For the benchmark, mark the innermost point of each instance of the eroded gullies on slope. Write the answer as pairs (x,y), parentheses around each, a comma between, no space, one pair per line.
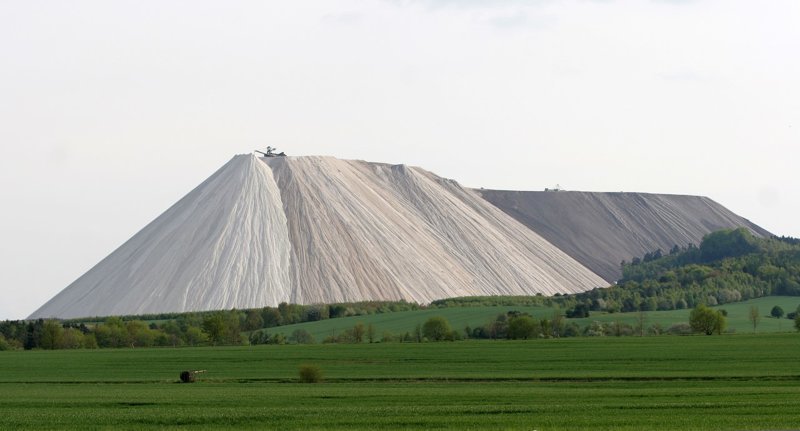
(224,245)
(261,231)
(602,229)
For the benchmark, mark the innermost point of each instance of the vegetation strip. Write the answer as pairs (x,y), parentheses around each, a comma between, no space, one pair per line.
(340,380)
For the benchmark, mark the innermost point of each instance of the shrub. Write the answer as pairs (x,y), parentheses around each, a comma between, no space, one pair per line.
(522,327)
(4,344)
(572,329)
(277,339)
(578,312)
(301,336)
(310,374)
(595,329)
(706,321)
(262,337)
(680,329)
(619,329)
(436,329)
(655,329)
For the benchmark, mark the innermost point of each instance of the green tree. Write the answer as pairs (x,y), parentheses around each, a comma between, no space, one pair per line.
(546,327)
(139,334)
(557,324)
(173,333)
(4,345)
(797,322)
(112,333)
(777,312)
(276,339)
(358,332)
(290,313)
(522,328)
(371,333)
(418,333)
(436,328)
(72,339)
(706,321)
(194,336)
(233,327)
(271,317)
(754,316)
(253,321)
(498,328)
(214,328)
(727,243)
(641,322)
(52,333)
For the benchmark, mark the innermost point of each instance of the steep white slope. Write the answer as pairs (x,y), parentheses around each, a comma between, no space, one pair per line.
(223,245)
(365,231)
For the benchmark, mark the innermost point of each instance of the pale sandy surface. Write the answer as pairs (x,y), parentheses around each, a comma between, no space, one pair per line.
(363,230)
(602,229)
(318,229)
(219,247)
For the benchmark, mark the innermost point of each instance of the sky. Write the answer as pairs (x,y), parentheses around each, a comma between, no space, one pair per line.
(110,111)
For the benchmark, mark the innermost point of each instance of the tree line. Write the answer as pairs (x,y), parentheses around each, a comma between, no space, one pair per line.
(729,266)
(177,329)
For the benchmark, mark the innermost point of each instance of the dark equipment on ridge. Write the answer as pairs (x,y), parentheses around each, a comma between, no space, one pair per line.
(189,376)
(271,152)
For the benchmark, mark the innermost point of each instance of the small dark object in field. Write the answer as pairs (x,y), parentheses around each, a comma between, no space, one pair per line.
(189,376)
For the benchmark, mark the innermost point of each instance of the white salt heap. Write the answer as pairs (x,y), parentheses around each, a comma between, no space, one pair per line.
(261,231)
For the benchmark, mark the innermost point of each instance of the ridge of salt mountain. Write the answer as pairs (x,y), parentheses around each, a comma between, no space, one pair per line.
(261,231)
(398,232)
(602,229)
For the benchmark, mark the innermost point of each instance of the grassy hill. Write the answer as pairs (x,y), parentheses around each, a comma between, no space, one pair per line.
(405,321)
(461,317)
(738,312)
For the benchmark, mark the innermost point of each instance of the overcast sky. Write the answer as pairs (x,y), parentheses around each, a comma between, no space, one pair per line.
(110,111)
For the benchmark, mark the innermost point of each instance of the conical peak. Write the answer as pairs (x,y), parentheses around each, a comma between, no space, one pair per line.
(239,162)
(216,248)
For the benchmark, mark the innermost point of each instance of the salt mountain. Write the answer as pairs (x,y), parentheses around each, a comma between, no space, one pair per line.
(600,230)
(261,231)
(317,229)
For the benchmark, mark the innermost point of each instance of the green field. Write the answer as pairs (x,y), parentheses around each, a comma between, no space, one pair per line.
(738,382)
(460,317)
(738,312)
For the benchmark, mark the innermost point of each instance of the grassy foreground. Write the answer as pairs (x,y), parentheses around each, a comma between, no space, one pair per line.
(726,382)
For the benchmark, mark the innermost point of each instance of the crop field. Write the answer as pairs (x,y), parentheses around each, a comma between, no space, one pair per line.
(742,382)
(461,317)
(738,315)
